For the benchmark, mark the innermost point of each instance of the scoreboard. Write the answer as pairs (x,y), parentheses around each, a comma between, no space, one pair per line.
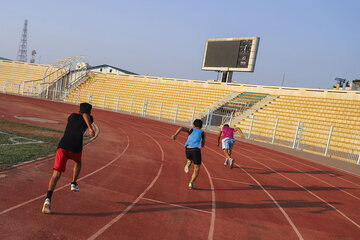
(231,54)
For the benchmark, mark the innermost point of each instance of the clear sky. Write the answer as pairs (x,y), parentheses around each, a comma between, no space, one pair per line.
(311,41)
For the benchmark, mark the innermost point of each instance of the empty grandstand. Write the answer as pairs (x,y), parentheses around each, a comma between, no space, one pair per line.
(14,74)
(47,81)
(309,123)
(316,120)
(159,97)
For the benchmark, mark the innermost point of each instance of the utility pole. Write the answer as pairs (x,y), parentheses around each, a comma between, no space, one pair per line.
(33,53)
(22,53)
(283,80)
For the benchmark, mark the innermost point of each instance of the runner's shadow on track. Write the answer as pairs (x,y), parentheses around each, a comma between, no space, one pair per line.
(317,172)
(98,214)
(277,188)
(319,207)
(235,167)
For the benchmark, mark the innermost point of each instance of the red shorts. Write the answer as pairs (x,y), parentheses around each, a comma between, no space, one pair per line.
(61,158)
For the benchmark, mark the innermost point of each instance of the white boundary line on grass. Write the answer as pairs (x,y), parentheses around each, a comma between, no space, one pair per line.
(13,138)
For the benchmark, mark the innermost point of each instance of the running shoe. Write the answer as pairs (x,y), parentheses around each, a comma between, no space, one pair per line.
(226,162)
(187,166)
(231,163)
(191,185)
(46,207)
(75,187)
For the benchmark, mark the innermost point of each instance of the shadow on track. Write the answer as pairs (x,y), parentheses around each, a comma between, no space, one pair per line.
(314,207)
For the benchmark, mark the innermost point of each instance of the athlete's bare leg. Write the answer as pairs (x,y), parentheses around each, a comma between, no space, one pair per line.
(76,170)
(229,152)
(226,152)
(54,179)
(195,173)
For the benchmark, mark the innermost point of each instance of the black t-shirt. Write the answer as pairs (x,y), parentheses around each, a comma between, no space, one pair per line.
(73,137)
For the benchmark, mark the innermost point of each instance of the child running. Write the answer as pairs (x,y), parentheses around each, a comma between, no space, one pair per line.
(193,145)
(70,147)
(228,140)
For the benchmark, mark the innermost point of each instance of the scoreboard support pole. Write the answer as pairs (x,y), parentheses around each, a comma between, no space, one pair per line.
(226,76)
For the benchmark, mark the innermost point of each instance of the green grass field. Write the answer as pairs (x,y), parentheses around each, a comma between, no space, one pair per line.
(20,142)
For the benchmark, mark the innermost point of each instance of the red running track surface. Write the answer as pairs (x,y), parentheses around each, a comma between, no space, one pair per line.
(133,186)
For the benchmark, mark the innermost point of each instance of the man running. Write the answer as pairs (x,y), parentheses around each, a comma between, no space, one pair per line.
(228,141)
(193,145)
(70,147)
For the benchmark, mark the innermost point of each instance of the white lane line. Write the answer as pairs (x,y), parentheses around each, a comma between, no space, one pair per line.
(271,197)
(279,154)
(213,209)
(313,167)
(67,185)
(319,179)
(228,180)
(176,205)
(118,217)
(213,201)
(341,213)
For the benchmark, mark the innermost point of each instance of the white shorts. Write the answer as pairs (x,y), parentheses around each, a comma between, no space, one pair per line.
(228,143)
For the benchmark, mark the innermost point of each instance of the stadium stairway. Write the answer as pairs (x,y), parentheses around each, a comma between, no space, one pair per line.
(229,108)
(248,111)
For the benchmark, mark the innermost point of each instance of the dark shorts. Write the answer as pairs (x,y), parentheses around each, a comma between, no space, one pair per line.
(193,154)
(61,158)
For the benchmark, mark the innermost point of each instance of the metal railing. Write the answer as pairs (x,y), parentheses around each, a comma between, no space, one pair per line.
(329,140)
(324,139)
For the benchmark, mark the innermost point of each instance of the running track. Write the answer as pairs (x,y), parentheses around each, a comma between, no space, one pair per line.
(133,186)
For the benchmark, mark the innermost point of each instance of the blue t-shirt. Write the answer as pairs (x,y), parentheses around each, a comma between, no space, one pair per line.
(195,138)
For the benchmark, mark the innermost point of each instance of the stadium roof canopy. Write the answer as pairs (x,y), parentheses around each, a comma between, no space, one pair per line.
(108,66)
(1,58)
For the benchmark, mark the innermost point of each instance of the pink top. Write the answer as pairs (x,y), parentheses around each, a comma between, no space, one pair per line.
(228,132)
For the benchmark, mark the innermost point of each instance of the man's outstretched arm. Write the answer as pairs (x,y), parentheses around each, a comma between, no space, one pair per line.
(219,137)
(203,140)
(239,130)
(86,117)
(183,129)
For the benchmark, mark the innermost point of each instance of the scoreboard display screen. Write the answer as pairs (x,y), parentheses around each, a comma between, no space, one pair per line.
(231,54)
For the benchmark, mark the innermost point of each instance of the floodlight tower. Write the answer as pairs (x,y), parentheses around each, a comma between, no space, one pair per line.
(22,53)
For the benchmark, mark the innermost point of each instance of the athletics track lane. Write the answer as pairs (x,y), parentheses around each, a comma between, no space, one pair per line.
(293,194)
(242,209)
(72,217)
(308,202)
